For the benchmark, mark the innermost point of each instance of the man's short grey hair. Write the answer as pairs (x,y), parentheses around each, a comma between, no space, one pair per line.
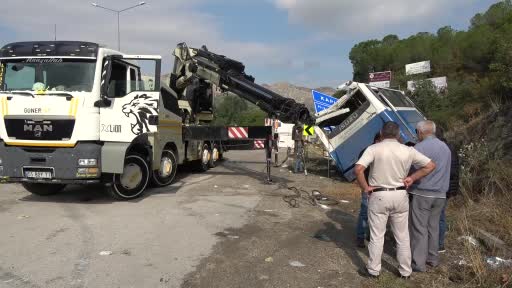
(426,127)
(390,130)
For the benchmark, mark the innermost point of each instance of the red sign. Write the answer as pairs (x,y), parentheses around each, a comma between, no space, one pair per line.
(380,76)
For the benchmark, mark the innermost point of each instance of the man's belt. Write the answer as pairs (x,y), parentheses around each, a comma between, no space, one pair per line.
(388,189)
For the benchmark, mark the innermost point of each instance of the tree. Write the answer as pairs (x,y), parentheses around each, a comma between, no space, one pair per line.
(232,110)
(477,63)
(229,109)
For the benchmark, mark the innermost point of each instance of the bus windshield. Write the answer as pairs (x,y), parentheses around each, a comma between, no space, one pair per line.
(48,74)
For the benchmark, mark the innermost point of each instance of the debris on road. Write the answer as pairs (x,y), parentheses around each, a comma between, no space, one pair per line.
(469,239)
(222,234)
(497,262)
(268,210)
(23,216)
(322,237)
(233,236)
(296,264)
(344,201)
(494,242)
(105,253)
(462,262)
(269,259)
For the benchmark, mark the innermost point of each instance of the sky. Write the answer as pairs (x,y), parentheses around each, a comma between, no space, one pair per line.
(304,42)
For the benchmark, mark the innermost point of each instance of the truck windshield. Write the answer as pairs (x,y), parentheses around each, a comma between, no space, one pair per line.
(50,74)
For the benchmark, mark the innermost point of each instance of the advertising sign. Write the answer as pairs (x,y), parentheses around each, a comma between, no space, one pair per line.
(440,83)
(417,68)
(381,84)
(380,76)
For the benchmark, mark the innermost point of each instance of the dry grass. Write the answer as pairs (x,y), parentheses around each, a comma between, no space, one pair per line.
(485,204)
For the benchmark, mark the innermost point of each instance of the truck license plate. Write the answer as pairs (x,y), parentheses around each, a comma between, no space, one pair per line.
(38,174)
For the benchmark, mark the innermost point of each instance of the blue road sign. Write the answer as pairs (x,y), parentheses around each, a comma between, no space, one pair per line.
(322,101)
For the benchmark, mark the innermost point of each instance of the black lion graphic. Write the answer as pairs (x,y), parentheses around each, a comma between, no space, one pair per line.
(141,106)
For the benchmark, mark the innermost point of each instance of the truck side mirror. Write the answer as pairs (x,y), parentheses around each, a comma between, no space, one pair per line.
(106,71)
(105,76)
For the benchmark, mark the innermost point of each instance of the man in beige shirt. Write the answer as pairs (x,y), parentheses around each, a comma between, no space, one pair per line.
(389,163)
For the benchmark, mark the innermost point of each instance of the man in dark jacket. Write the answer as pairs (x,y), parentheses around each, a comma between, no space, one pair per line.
(453,189)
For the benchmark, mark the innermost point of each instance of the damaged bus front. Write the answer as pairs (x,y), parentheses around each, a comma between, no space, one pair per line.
(358,116)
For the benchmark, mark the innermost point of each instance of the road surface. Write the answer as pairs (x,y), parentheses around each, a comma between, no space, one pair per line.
(222,228)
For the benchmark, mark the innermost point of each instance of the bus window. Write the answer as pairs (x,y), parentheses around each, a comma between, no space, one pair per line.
(354,103)
(396,98)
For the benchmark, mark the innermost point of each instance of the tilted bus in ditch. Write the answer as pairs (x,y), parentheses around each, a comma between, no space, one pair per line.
(358,116)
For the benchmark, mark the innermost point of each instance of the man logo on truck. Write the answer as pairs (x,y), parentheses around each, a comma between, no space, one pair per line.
(141,106)
(38,128)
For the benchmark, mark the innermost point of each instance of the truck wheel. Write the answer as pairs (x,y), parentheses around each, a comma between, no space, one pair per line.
(43,189)
(165,174)
(133,181)
(205,159)
(214,157)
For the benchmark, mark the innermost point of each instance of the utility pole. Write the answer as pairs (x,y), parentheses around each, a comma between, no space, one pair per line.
(55,32)
(118,16)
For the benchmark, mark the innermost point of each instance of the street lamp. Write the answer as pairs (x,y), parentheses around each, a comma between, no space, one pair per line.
(118,13)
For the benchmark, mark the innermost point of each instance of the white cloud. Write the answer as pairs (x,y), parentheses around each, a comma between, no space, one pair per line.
(154,28)
(365,16)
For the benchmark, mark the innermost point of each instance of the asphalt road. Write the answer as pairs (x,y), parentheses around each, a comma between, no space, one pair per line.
(222,228)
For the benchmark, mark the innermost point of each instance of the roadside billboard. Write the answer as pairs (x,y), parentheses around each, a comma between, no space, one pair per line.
(417,68)
(440,83)
(380,79)
(379,76)
(381,84)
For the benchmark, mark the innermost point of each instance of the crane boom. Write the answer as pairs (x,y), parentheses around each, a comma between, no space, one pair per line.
(197,70)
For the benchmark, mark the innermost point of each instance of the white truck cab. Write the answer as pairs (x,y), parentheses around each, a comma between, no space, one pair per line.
(78,113)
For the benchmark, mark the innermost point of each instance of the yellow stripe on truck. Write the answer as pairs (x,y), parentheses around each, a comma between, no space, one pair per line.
(72,106)
(68,145)
(4,106)
(76,107)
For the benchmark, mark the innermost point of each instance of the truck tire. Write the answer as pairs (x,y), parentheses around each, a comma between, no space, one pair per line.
(132,183)
(43,189)
(202,165)
(214,156)
(168,166)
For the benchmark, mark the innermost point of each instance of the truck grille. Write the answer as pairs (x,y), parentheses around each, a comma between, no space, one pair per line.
(27,129)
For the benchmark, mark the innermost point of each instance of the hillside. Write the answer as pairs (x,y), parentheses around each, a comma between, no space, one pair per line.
(298,93)
(477,63)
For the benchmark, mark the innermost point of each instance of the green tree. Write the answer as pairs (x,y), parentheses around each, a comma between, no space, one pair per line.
(232,110)
(477,63)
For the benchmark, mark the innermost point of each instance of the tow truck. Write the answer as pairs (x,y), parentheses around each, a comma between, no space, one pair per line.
(75,112)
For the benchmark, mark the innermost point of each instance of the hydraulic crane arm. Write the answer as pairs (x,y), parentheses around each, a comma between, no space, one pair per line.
(196,70)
